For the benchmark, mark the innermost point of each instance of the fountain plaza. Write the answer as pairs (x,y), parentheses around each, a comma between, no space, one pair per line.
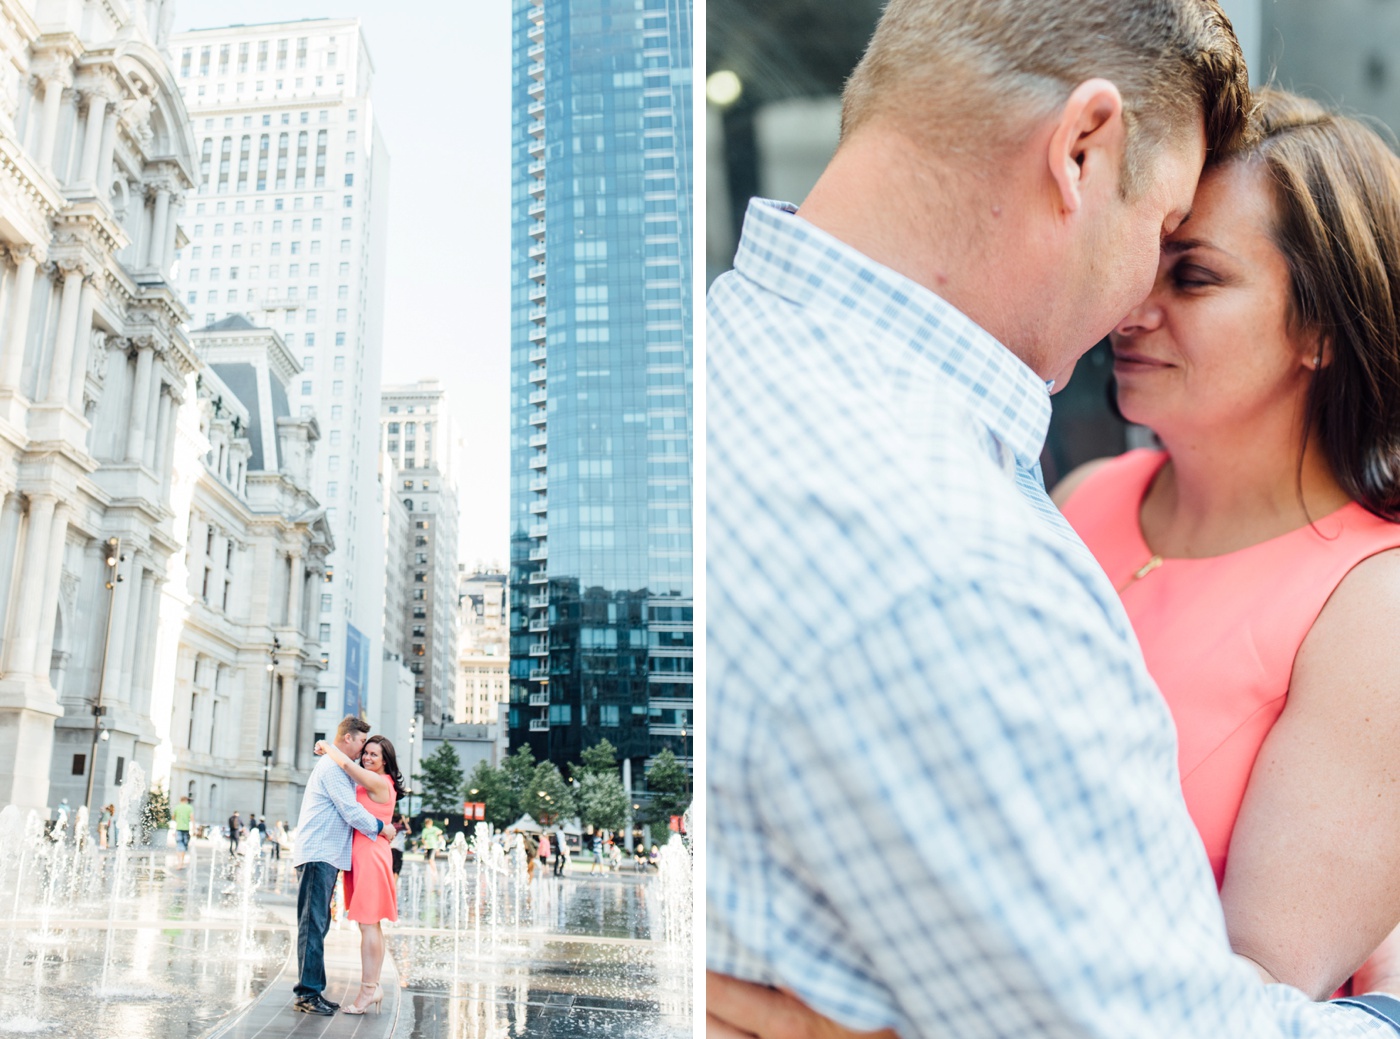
(118,943)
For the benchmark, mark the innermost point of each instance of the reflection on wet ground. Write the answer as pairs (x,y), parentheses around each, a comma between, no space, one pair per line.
(160,981)
(179,951)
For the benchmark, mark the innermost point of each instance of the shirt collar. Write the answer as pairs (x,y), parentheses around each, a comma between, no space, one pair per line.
(791,257)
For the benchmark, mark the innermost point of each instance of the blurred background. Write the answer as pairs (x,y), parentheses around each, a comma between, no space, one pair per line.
(774,75)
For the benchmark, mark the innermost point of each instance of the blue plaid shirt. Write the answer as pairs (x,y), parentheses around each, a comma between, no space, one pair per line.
(943,792)
(329,815)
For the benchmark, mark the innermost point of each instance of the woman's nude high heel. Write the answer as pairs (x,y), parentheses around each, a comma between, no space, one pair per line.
(375,1001)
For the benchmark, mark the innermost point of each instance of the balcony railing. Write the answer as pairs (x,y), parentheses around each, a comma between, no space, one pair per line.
(539,461)
(536,335)
(536,601)
(536,209)
(539,724)
(536,374)
(535,31)
(535,89)
(536,168)
(539,626)
(542,552)
(538,396)
(537,186)
(536,250)
(536,70)
(538,293)
(539,482)
(537,272)
(539,649)
(539,577)
(539,699)
(535,108)
(537,228)
(536,129)
(538,353)
(539,674)
(539,530)
(539,506)
(536,49)
(539,439)
(538,417)
(535,147)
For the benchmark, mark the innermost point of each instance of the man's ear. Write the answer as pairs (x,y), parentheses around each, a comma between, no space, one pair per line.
(1087,140)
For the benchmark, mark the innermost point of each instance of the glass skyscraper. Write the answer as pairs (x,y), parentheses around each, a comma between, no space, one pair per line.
(601,443)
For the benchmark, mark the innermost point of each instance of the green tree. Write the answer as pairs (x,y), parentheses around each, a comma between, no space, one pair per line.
(492,788)
(155,813)
(441,781)
(602,800)
(519,770)
(600,758)
(668,784)
(549,797)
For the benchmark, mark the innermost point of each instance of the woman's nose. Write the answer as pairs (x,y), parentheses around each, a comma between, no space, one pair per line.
(1144,317)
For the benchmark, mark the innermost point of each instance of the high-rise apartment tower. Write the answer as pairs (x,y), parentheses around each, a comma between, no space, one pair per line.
(600,599)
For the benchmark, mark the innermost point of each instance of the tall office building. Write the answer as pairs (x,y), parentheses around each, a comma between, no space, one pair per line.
(416,437)
(289,228)
(601,444)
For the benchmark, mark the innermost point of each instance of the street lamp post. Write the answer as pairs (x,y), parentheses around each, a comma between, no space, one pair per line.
(114,558)
(271,692)
(412,736)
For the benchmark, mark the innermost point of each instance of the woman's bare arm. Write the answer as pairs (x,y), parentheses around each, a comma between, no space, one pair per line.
(381,789)
(1312,883)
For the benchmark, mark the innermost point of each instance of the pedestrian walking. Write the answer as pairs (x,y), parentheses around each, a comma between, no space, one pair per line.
(561,855)
(104,825)
(180,817)
(235,830)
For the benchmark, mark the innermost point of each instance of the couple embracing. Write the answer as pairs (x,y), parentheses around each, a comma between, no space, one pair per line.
(345,827)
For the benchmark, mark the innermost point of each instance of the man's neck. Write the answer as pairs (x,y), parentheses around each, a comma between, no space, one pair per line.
(949,231)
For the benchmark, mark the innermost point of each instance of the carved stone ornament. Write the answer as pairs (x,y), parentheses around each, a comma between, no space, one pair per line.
(68,589)
(137,115)
(97,354)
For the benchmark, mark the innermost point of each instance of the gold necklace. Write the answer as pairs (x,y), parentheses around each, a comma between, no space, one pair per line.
(1140,573)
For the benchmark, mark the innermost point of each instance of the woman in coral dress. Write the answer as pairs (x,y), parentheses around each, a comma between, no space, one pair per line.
(369,886)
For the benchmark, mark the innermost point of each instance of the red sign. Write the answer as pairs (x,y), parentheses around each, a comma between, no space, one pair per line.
(677,824)
(474,810)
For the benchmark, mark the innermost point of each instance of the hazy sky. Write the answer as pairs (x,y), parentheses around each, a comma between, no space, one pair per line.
(442,94)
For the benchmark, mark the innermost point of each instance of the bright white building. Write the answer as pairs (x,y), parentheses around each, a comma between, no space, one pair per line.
(239,651)
(416,435)
(289,227)
(483,655)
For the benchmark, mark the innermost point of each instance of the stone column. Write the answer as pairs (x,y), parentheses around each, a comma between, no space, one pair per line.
(155,247)
(286,727)
(146,653)
(163,413)
(105,149)
(167,463)
(48,599)
(130,628)
(306,697)
(54,85)
(62,364)
(92,136)
(11,516)
(19,656)
(296,578)
(148,452)
(121,606)
(21,303)
(81,344)
(140,401)
(168,246)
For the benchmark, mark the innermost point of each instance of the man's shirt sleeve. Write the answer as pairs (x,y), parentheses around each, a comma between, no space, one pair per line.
(1011,856)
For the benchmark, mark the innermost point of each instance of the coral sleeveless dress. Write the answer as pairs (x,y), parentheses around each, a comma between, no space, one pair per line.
(1219,634)
(369,886)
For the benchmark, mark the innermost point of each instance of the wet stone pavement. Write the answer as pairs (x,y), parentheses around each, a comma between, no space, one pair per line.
(194,953)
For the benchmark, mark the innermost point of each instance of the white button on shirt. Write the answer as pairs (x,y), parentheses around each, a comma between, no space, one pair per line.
(943,792)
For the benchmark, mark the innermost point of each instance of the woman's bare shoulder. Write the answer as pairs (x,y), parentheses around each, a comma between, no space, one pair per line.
(1351,647)
(1074,478)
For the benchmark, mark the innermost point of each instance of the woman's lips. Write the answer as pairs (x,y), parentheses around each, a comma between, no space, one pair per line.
(1126,361)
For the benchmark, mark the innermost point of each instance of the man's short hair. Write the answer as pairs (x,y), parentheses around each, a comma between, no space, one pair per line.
(970,76)
(350,724)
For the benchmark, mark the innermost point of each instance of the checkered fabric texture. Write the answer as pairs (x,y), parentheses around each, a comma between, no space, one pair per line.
(329,815)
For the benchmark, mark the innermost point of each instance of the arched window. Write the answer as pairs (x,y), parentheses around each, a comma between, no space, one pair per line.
(408,504)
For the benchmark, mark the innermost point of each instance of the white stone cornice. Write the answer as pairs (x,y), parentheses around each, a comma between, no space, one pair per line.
(26,182)
(21,22)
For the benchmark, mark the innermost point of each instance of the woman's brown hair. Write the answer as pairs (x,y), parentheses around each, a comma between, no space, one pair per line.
(391,764)
(1337,193)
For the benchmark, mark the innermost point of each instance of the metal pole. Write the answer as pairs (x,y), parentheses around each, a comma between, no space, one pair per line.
(271,693)
(114,557)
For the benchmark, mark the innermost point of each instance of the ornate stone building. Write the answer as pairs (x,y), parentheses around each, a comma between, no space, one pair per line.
(96,157)
(241,622)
